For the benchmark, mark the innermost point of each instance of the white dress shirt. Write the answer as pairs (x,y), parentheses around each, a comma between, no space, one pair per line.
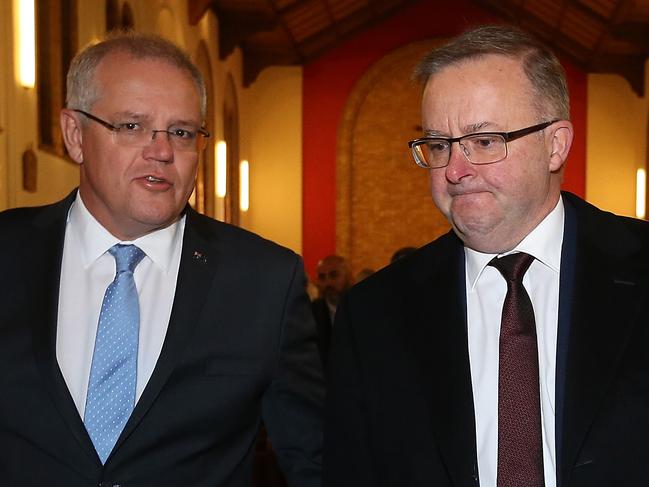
(485,290)
(86,271)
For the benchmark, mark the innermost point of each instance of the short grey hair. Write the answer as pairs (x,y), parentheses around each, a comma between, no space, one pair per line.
(541,66)
(82,89)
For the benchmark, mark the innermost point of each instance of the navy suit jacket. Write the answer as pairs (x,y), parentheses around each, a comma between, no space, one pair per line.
(399,404)
(240,347)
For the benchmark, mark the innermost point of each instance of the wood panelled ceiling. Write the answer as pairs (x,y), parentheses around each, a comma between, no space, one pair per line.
(600,36)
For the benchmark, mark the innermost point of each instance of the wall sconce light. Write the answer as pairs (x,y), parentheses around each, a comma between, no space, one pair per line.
(26,44)
(640,193)
(221,169)
(244,182)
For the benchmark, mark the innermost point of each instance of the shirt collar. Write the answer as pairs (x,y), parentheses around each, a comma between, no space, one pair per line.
(94,240)
(543,243)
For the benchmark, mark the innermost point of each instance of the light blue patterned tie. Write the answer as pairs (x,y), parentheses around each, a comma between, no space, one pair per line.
(113,375)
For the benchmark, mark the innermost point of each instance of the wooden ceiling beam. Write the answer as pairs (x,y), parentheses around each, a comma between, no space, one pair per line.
(237,26)
(636,33)
(196,9)
(337,34)
(620,11)
(257,58)
(266,39)
(286,30)
(631,68)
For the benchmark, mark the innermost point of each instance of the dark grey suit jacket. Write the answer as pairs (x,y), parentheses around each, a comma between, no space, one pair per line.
(240,347)
(400,406)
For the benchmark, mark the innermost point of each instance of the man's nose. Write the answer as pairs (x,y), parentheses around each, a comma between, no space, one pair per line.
(160,147)
(458,163)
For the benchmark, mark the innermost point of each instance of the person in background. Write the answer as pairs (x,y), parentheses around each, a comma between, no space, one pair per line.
(512,351)
(333,278)
(141,343)
(402,252)
(364,274)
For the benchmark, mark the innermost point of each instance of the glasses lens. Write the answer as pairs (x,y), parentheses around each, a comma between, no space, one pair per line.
(432,153)
(484,148)
(181,139)
(132,135)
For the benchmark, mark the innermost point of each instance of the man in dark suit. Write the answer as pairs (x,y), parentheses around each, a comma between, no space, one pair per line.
(444,372)
(333,278)
(160,372)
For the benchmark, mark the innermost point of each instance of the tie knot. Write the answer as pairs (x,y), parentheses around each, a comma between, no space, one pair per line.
(127,257)
(513,266)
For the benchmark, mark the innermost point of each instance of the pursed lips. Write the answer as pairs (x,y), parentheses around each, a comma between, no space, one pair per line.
(455,192)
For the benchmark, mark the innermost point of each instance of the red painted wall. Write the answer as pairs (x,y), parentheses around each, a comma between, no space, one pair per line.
(328,81)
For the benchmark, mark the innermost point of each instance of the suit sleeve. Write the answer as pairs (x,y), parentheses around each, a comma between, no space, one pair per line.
(293,404)
(347,453)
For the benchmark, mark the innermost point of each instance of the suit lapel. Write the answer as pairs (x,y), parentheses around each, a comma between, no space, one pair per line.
(608,282)
(442,347)
(44,265)
(198,265)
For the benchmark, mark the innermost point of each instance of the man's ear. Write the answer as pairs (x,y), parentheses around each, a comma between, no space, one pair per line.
(562,135)
(72,136)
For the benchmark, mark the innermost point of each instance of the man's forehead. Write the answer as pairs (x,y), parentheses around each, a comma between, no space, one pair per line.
(133,94)
(486,93)
(330,263)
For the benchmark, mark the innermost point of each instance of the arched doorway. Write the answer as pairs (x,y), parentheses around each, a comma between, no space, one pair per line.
(383,201)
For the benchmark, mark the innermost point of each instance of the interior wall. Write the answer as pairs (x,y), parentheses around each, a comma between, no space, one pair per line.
(383,200)
(617,142)
(6,79)
(56,176)
(274,126)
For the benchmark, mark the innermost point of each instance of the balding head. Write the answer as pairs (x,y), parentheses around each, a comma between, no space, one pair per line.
(332,278)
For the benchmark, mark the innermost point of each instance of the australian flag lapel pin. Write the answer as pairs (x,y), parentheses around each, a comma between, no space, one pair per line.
(199,257)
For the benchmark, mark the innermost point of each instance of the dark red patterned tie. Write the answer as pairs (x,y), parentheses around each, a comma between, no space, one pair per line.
(520,451)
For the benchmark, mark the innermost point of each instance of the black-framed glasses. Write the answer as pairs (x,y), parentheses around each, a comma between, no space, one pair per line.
(137,134)
(478,148)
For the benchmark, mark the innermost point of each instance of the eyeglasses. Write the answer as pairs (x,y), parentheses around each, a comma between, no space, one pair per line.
(478,148)
(137,134)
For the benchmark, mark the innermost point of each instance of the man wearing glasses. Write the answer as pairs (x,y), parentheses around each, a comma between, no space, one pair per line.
(513,351)
(142,344)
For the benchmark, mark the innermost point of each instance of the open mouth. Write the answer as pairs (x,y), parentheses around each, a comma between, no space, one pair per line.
(153,179)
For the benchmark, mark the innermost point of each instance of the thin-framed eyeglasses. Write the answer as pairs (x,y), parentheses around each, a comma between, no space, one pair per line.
(137,134)
(433,152)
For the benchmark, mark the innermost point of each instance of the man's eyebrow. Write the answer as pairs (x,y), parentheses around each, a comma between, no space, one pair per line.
(478,127)
(128,115)
(190,123)
(141,117)
(467,129)
(434,133)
